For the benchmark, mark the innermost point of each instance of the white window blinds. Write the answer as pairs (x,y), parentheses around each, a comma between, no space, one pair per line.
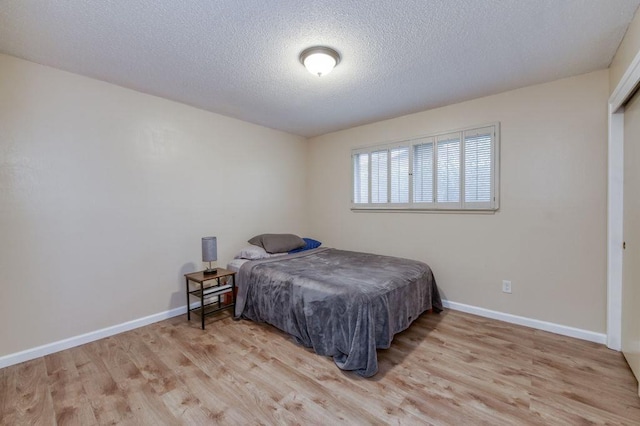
(361,178)
(423,172)
(450,171)
(400,175)
(477,165)
(379,173)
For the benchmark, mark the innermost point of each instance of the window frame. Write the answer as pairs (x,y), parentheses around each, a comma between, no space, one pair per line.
(434,206)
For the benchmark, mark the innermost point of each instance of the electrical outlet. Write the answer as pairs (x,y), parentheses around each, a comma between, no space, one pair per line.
(506,286)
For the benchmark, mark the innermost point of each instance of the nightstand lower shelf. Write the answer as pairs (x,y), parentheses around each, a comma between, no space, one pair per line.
(211,308)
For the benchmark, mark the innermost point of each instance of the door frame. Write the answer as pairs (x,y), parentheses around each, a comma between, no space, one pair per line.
(615,201)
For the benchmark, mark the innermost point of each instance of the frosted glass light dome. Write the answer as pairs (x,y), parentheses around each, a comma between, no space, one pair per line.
(319,60)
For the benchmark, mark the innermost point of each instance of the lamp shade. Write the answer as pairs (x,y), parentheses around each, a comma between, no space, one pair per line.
(209,249)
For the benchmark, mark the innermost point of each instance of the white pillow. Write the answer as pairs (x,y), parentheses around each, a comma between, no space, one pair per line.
(252,252)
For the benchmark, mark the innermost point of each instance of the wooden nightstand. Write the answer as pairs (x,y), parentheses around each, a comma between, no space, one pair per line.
(210,293)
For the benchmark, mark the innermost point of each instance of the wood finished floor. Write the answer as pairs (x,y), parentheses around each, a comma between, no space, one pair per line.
(451,369)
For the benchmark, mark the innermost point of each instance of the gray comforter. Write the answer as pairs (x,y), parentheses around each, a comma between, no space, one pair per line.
(340,303)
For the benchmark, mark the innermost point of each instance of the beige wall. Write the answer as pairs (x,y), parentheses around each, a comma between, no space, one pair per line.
(106,192)
(627,50)
(549,236)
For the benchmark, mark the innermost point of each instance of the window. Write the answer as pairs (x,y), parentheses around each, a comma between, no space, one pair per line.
(361,179)
(400,175)
(379,171)
(423,172)
(450,171)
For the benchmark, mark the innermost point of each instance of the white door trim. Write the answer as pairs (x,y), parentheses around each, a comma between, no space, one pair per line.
(622,92)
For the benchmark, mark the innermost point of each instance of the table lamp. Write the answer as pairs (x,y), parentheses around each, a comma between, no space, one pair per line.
(210,253)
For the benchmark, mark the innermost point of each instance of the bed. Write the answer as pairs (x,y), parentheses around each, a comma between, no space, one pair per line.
(342,304)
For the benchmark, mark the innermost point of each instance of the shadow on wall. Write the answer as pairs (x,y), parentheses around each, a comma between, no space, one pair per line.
(178,298)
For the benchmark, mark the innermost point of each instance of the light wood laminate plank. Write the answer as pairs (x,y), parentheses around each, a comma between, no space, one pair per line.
(447,369)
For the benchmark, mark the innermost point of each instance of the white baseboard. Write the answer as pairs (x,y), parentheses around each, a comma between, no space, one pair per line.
(71,342)
(529,322)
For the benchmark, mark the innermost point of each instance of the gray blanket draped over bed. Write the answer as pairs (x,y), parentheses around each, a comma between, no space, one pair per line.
(340,303)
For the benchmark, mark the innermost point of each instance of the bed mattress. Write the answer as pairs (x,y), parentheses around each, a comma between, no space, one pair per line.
(342,304)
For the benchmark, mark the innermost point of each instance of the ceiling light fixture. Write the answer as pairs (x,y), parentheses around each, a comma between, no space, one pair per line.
(319,60)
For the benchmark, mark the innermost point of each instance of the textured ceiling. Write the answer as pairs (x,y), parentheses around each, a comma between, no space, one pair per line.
(240,57)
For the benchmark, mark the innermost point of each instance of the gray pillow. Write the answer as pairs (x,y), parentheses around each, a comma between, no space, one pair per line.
(277,243)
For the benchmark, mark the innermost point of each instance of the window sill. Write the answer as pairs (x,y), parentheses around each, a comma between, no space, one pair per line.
(421,210)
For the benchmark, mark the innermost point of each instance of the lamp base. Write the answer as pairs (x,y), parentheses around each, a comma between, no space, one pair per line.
(210,271)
